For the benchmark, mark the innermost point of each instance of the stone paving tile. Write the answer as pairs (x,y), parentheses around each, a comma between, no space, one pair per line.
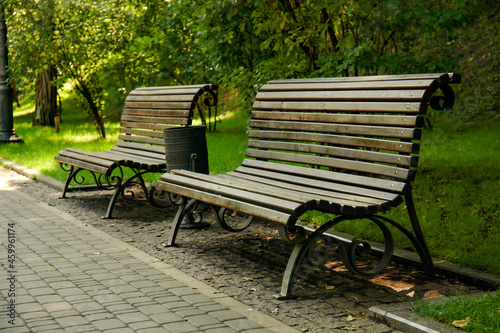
(71,280)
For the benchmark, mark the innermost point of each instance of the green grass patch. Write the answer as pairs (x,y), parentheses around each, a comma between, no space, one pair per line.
(472,314)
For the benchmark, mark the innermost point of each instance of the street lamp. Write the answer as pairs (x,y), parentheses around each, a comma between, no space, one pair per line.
(7,133)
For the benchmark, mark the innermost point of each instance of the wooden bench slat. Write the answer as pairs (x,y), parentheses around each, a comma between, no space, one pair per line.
(104,160)
(346,107)
(139,139)
(326,201)
(140,146)
(340,118)
(144,161)
(243,184)
(330,201)
(442,77)
(163,101)
(358,154)
(331,162)
(322,184)
(84,165)
(353,85)
(172,90)
(148,126)
(385,185)
(141,133)
(199,86)
(140,152)
(165,122)
(342,140)
(174,112)
(377,131)
(350,95)
(286,206)
(241,206)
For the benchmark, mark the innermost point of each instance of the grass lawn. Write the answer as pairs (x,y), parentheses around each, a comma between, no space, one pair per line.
(456,190)
(478,315)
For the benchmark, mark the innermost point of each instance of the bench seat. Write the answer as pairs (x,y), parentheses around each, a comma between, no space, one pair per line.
(140,146)
(343,146)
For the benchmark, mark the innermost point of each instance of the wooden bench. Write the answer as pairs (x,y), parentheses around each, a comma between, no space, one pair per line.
(345,146)
(140,146)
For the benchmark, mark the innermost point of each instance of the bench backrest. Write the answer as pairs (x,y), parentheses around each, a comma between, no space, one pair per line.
(360,125)
(148,111)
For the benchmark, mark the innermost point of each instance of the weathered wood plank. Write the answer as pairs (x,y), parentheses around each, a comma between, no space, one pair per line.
(82,164)
(376,131)
(386,185)
(341,140)
(241,206)
(350,95)
(324,195)
(340,118)
(163,101)
(442,77)
(139,139)
(282,205)
(140,146)
(318,84)
(336,163)
(142,133)
(167,122)
(176,111)
(348,153)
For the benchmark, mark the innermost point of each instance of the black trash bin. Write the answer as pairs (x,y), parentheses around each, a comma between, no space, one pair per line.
(186,148)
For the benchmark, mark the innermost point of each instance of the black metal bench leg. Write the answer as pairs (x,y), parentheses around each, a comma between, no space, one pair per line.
(298,253)
(183,211)
(71,174)
(113,200)
(120,189)
(425,255)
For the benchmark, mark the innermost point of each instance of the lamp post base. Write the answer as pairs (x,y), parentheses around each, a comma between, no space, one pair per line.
(12,139)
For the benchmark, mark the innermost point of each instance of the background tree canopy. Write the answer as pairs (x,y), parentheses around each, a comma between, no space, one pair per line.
(105,48)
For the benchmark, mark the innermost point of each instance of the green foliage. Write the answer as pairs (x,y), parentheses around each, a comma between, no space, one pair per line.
(111,47)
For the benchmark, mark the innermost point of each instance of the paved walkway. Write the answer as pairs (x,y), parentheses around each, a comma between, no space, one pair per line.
(61,275)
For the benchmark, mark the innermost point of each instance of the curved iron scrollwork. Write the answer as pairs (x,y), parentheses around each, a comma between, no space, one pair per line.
(350,253)
(101,182)
(232,220)
(210,101)
(444,102)
(297,235)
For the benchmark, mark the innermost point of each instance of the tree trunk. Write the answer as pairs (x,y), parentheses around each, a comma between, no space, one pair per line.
(93,108)
(45,98)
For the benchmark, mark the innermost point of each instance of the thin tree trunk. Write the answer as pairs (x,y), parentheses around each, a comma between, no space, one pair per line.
(45,98)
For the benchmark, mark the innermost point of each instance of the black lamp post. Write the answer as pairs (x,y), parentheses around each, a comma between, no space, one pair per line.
(7,133)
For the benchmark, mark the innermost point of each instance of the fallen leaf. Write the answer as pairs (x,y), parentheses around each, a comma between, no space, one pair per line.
(350,318)
(461,323)
(327,287)
(247,279)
